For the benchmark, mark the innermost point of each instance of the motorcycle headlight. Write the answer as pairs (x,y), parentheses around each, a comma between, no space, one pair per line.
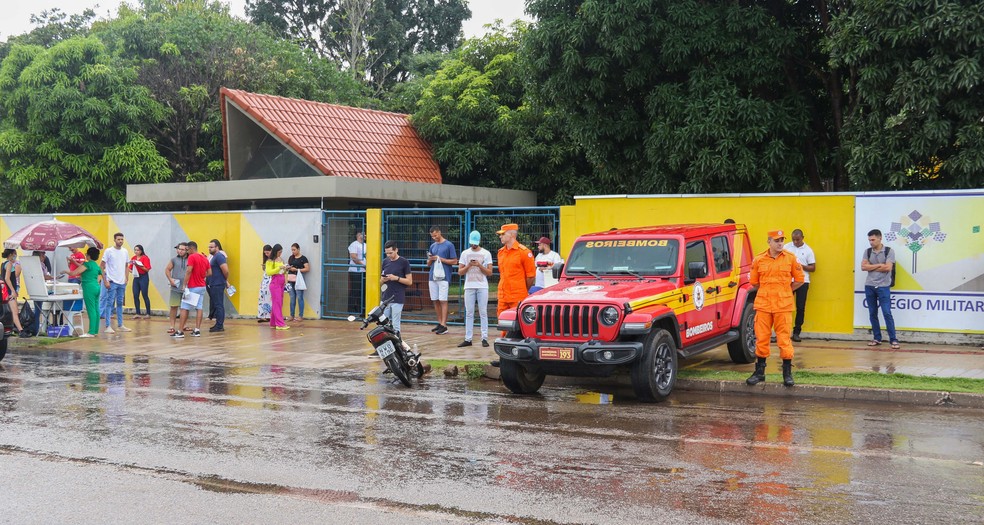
(608,315)
(529,314)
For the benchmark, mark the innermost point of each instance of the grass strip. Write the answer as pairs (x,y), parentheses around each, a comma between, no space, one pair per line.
(473,370)
(853,379)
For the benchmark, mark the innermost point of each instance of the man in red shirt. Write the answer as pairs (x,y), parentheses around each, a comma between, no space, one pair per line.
(193,295)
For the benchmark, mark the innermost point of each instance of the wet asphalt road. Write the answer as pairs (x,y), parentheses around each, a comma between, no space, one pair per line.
(97,438)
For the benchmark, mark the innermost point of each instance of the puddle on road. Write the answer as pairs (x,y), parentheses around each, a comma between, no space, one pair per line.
(595,398)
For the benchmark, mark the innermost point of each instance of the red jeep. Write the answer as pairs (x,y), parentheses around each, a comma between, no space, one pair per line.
(635,298)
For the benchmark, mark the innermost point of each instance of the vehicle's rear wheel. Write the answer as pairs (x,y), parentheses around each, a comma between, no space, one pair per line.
(3,346)
(742,350)
(398,368)
(519,378)
(654,375)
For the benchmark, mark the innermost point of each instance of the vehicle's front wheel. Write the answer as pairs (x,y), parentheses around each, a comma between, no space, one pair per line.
(519,378)
(654,375)
(742,350)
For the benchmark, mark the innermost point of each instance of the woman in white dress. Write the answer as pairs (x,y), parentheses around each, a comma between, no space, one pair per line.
(264,307)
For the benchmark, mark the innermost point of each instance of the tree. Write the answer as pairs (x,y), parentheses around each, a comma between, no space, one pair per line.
(52,26)
(186,50)
(71,128)
(915,72)
(372,38)
(681,96)
(486,132)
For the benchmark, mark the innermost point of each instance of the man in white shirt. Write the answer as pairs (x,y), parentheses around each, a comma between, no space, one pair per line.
(116,278)
(804,255)
(475,266)
(545,261)
(357,272)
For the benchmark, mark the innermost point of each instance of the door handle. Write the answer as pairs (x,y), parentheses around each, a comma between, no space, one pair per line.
(732,284)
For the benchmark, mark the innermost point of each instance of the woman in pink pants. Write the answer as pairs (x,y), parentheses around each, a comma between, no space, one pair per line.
(275,268)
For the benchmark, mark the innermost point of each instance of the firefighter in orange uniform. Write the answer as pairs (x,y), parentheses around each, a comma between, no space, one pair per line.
(775,275)
(517,270)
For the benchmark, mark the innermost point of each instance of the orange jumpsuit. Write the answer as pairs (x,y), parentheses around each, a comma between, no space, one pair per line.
(515,266)
(774,302)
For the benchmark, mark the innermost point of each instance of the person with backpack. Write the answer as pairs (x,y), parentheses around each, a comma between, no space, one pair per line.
(879,262)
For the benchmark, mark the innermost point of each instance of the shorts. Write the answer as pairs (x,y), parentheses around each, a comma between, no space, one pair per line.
(201,299)
(438,290)
(175,299)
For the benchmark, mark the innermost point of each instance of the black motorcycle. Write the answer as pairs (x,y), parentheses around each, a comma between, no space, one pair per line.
(403,362)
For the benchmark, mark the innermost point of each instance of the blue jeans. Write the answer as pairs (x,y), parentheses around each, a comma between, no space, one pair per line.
(141,286)
(216,299)
(479,296)
(880,297)
(298,296)
(395,313)
(114,299)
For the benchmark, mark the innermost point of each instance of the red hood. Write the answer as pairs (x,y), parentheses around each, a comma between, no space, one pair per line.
(614,291)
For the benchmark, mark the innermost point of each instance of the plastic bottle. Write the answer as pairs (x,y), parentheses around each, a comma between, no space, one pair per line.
(415,351)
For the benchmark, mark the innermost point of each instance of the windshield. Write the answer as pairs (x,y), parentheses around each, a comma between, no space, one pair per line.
(625,257)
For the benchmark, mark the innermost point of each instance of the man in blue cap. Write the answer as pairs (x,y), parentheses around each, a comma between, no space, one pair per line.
(475,267)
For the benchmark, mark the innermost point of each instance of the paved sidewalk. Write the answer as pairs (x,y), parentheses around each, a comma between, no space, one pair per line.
(328,344)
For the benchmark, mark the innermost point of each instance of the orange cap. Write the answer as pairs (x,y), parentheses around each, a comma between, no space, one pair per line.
(507,227)
(777,234)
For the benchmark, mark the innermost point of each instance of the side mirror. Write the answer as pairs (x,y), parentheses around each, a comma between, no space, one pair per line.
(351,318)
(696,270)
(558,270)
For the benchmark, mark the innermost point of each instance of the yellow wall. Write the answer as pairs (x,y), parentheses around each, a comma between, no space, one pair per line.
(374,263)
(827,223)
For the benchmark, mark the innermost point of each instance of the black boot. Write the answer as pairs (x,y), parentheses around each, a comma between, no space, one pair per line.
(787,372)
(758,375)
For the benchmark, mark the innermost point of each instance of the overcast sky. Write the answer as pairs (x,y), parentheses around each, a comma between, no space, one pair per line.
(16,17)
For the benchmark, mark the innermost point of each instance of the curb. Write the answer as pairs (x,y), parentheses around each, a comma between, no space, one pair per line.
(840,393)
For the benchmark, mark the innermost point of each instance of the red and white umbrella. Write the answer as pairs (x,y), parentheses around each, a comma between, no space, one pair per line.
(46,235)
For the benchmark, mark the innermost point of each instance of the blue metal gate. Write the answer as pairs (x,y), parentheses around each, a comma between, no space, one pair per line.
(410,228)
(343,292)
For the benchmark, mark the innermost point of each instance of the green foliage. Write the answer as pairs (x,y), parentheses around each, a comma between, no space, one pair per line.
(71,128)
(677,96)
(374,39)
(917,74)
(186,50)
(485,130)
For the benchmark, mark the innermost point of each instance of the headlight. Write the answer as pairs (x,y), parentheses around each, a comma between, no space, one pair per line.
(608,315)
(529,314)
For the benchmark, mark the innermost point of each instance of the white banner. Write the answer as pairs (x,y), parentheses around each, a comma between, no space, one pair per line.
(939,259)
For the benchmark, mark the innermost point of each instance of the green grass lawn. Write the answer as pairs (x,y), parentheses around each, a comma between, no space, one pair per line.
(853,379)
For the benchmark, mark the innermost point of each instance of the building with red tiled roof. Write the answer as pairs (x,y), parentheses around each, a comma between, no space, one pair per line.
(285,152)
(300,136)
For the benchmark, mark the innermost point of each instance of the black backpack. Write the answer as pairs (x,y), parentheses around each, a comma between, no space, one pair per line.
(867,255)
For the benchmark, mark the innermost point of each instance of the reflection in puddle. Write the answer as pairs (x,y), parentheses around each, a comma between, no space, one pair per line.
(595,398)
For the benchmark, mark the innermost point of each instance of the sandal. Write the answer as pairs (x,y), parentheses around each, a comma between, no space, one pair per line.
(895,345)
(874,343)
(170,331)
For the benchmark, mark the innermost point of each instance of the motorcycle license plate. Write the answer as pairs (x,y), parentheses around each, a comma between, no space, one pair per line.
(386,349)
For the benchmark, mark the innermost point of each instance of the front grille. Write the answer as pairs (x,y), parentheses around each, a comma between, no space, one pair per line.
(569,320)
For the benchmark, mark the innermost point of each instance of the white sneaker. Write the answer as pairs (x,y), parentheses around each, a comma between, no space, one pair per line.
(86,335)
(109,330)
(123,329)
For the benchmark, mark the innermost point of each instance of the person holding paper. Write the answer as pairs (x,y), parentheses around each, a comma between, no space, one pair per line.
(217,282)
(297,266)
(139,268)
(192,297)
(276,269)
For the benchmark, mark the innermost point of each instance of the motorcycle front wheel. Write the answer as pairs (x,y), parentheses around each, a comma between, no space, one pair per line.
(398,368)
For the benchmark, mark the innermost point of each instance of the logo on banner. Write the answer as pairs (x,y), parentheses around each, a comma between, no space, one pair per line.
(915,231)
